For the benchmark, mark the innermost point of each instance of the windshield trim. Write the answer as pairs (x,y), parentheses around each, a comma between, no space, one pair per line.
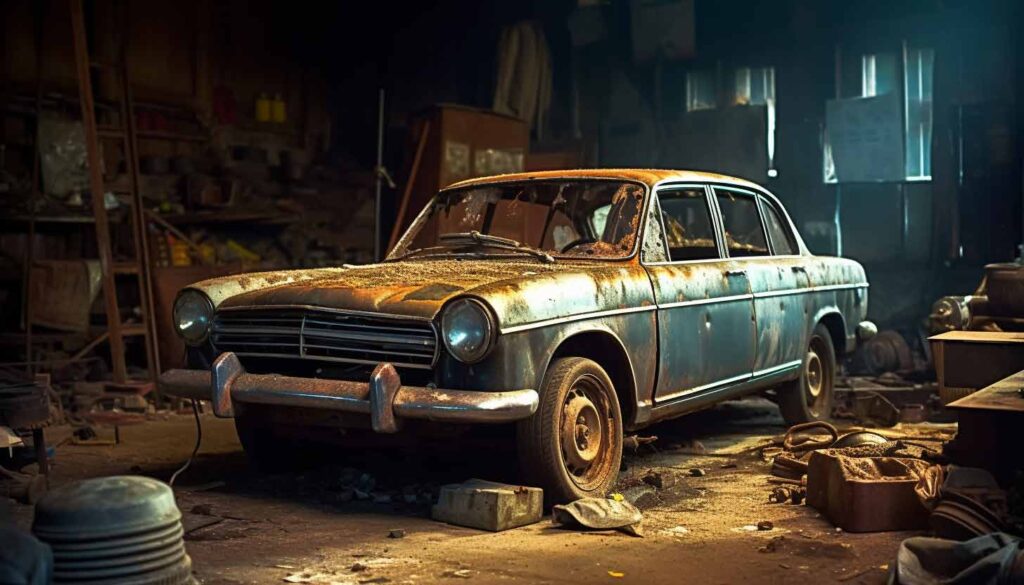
(642,224)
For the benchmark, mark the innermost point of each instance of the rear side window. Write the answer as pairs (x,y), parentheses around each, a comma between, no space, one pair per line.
(782,238)
(688,228)
(744,234)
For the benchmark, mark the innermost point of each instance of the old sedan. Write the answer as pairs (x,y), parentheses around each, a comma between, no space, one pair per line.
(575,304)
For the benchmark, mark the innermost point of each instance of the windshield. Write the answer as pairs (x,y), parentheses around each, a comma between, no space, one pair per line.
(579,219)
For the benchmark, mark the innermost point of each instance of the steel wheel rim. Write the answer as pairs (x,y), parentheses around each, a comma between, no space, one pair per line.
(817,375)
(585,433)
(814,375)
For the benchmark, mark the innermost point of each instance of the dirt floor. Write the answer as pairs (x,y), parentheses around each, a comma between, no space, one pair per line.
(315,527)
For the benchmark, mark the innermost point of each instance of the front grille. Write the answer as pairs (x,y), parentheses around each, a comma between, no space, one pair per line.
(316,334)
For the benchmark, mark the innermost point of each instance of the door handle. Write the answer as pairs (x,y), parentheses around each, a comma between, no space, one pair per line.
(736,272)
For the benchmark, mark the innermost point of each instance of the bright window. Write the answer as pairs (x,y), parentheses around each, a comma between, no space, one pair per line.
(918,65)
(701,93)
(877,74)
(755,86)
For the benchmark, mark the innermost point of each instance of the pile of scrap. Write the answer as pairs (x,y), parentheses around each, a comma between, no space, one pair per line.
(862,481)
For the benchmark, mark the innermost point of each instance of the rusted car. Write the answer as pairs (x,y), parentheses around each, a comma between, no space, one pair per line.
(578,305)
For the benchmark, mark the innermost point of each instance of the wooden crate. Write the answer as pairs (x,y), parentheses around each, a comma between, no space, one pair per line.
(967,361)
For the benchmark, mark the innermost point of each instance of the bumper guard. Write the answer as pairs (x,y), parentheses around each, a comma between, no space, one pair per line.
(384,398)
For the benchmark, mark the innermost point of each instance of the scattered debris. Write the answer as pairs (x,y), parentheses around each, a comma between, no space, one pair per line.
(641,496)
(599,514)
(659,479)
(765,525)
(780,495)
(488,505)
(396,533)
(458,573)
(676,531)
(634,442)
(616,574)
(697,472)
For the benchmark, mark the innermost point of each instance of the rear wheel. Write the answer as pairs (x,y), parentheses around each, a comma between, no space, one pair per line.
(810,397)
(572,446)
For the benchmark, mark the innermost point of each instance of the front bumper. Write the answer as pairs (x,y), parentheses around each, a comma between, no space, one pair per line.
(383,398)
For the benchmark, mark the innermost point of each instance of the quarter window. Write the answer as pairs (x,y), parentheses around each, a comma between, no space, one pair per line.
(688,228)
(782,238)
(744,235)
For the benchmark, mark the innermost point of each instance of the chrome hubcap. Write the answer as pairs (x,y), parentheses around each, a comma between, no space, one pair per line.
(814,375)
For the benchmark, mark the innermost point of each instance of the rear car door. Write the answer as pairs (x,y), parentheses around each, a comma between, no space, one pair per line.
(705,309)
(762,236)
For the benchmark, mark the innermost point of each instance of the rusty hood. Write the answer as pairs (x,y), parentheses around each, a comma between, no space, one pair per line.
(519,291)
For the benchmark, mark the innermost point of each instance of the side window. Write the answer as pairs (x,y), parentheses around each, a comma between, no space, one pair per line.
(688,228)
(782,238)
(741,222)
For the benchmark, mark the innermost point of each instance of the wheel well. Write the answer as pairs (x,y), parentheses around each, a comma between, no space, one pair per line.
(834,323)
(604,349)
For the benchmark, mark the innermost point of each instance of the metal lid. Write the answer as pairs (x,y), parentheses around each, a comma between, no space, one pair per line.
(105,507)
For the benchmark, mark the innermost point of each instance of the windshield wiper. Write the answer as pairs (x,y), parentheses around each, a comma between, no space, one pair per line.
(495,241)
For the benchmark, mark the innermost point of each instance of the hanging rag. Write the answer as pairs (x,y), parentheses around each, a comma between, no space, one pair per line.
(523,86)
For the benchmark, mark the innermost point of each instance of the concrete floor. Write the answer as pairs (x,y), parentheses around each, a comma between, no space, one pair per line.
(243,527)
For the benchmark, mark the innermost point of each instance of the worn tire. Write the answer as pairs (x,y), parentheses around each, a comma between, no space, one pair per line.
(809,397)
(565,460)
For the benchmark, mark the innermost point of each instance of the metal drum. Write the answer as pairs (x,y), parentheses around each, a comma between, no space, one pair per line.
(121,529)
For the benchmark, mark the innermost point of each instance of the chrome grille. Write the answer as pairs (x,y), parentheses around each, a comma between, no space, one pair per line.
(316,334)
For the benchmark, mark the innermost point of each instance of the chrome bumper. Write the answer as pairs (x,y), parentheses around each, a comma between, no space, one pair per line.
(383,398)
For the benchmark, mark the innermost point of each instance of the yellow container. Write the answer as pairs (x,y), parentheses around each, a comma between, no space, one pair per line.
(263,108)
(278,109)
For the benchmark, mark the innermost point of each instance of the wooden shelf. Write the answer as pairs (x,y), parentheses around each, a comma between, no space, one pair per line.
(227,217)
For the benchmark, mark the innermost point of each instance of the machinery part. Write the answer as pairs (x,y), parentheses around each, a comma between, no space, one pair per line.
(809,397)
(1005,286)
(950,314)
(121,529)
(572,445)
(888,352)
(858,438)
(23,405)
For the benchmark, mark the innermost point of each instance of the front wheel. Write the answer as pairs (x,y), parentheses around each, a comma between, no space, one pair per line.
(572,446)
(809,397)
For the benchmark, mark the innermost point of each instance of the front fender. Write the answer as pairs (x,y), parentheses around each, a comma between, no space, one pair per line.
(520,359)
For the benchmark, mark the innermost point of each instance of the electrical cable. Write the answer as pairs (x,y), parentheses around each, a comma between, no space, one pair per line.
(195,450)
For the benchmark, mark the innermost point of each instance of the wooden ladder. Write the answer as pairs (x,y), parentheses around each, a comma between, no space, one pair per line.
(123,134)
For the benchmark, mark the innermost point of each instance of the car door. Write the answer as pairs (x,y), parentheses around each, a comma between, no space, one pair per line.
(778,279)
(705,309)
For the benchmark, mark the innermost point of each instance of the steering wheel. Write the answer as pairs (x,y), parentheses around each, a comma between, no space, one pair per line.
(577,242)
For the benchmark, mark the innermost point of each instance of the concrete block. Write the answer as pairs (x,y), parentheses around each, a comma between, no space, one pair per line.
(488,505)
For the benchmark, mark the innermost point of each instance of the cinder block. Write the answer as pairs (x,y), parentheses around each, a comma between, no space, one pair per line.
(488,505)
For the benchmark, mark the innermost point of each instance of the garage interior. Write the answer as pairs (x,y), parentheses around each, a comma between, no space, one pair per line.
(147,146)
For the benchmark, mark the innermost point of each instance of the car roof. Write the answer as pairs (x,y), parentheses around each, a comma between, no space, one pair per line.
(649,177)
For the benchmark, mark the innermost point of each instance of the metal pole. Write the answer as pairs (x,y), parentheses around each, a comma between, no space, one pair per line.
(379,172)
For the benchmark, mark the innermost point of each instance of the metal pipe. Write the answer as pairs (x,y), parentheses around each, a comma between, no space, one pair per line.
(379,173)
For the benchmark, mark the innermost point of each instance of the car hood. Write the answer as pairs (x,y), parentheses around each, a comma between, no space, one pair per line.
(519,291)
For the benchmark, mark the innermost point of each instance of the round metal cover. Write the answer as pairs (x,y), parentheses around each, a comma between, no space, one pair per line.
(105,507)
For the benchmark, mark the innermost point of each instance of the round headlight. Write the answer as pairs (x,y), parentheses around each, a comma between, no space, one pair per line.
(467,330)
(193,313)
